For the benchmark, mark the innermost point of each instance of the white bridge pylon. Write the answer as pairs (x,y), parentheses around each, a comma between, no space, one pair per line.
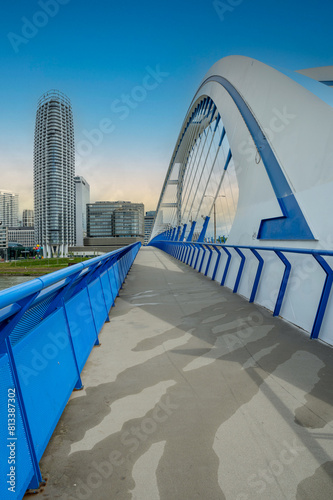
(252,169)
(254,147)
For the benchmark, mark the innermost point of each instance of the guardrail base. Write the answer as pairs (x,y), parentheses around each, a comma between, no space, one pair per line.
(35,491)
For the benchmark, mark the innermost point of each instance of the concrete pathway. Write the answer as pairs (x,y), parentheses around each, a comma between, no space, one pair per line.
(195,394)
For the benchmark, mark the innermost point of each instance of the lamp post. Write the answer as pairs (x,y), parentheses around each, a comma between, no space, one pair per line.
(214,212)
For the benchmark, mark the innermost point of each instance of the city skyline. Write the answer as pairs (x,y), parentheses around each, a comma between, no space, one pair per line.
(131,77)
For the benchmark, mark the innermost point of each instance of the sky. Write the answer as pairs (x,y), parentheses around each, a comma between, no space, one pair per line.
(131,70)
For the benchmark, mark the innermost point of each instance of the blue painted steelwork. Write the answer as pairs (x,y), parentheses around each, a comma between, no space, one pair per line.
(222,137)
(241,267)
(48,327)
(226,266)
(209,258)
(259,253)
(195,248)
(292,225)
(228,160)
(190,249)
(258,274)
(327,82)
(203,257)
(182,253)
(324,296)
(190,236)
(199,247)
(201,238)
(218,258)
(185,255)
(182,236)
(284,282)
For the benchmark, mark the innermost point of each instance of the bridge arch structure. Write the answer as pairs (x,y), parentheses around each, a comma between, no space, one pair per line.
(247,195)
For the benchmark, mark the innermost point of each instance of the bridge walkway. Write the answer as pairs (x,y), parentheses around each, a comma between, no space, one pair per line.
(195,394)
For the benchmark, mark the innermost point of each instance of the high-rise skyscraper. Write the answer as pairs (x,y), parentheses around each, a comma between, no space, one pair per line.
(149,222)
(82,198)
(8,208)
(28,218)
(54,170)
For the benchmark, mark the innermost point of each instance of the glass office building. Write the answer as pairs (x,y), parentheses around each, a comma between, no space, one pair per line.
(107,219)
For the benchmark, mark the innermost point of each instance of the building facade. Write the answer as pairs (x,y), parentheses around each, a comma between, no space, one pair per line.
(149,221)
(117,219)
(28,218)
(3,237)
(24,236)
(82,198)
(54,170)
(8,208)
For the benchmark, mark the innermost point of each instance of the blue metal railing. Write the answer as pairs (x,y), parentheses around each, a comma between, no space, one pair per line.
(48,327)
(190,253)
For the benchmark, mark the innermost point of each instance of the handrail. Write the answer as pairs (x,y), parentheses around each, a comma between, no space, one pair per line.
(258,252)
(48,327)
(280,249)
(19,292)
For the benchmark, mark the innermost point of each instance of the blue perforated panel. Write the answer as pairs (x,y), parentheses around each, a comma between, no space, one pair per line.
(23,464)
(47,374)
(30,319)
(106,290)
(115,288)
(49,352)
(97,303)
(82,326)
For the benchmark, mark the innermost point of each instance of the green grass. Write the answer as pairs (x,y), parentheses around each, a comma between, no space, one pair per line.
(34,267)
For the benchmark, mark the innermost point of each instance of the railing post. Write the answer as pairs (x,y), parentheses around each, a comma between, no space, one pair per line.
(78,385)
(190,235)
(182,236)
(209,259)
(201,238)
(226,266)
(284,282)
(218,258)
(324,296)
(194,245)
(241,267)
(258,274)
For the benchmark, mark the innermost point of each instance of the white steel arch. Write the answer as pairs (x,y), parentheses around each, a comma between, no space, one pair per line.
(256,148)
(296,127)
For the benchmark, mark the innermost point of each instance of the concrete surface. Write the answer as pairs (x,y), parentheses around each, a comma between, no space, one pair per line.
(195,394)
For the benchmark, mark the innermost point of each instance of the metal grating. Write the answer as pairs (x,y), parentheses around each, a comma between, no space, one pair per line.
(23,464)
(31,318)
